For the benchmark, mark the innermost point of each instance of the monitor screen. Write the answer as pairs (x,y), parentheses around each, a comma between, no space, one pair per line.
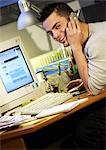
(18,82)
(14,69)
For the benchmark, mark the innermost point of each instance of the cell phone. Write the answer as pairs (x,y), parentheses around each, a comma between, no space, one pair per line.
(73,15)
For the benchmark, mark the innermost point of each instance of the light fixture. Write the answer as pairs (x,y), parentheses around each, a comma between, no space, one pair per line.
(29,14)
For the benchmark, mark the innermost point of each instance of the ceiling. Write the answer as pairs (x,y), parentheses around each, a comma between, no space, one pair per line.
(9,10)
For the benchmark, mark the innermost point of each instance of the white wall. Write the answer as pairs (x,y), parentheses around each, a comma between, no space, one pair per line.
(35,40)
(75,5)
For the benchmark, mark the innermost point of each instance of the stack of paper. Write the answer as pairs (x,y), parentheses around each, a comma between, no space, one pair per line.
(13,121)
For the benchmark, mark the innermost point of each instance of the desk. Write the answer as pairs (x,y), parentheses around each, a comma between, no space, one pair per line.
(13,139)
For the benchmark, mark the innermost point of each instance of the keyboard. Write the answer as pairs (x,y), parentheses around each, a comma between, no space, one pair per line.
(44,102)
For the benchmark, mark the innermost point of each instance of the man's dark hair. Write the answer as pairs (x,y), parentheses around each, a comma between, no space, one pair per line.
(60,8)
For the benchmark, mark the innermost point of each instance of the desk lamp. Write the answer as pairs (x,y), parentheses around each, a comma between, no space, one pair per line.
(29,14)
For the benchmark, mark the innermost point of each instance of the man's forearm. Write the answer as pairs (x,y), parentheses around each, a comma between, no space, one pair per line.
(81,64)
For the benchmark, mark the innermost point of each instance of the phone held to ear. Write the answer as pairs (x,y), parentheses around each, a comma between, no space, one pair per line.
(74,15)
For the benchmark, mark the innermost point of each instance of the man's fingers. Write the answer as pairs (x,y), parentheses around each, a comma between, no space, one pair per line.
(78,25)
(72,25)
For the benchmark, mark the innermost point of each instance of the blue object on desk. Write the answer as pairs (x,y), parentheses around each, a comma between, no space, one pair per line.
(53,67)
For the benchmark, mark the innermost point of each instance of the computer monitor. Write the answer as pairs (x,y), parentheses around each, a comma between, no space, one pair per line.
(17,79)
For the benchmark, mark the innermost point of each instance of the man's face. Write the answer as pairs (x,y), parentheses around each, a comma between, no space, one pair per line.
(55,25)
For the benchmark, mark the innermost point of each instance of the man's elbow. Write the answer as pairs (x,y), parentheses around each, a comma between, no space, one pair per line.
(94,88)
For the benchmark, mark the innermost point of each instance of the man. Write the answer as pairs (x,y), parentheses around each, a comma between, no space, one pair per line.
(88,43)
(86,40)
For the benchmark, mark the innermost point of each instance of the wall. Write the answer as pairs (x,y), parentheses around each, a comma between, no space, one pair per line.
(35,40)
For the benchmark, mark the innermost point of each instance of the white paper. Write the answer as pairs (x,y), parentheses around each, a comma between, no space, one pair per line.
(60,108)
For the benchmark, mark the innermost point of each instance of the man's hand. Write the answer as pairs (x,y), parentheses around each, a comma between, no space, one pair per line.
(74,83)
(73,33)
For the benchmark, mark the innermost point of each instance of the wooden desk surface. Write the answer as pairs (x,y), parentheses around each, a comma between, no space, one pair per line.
(18,132)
